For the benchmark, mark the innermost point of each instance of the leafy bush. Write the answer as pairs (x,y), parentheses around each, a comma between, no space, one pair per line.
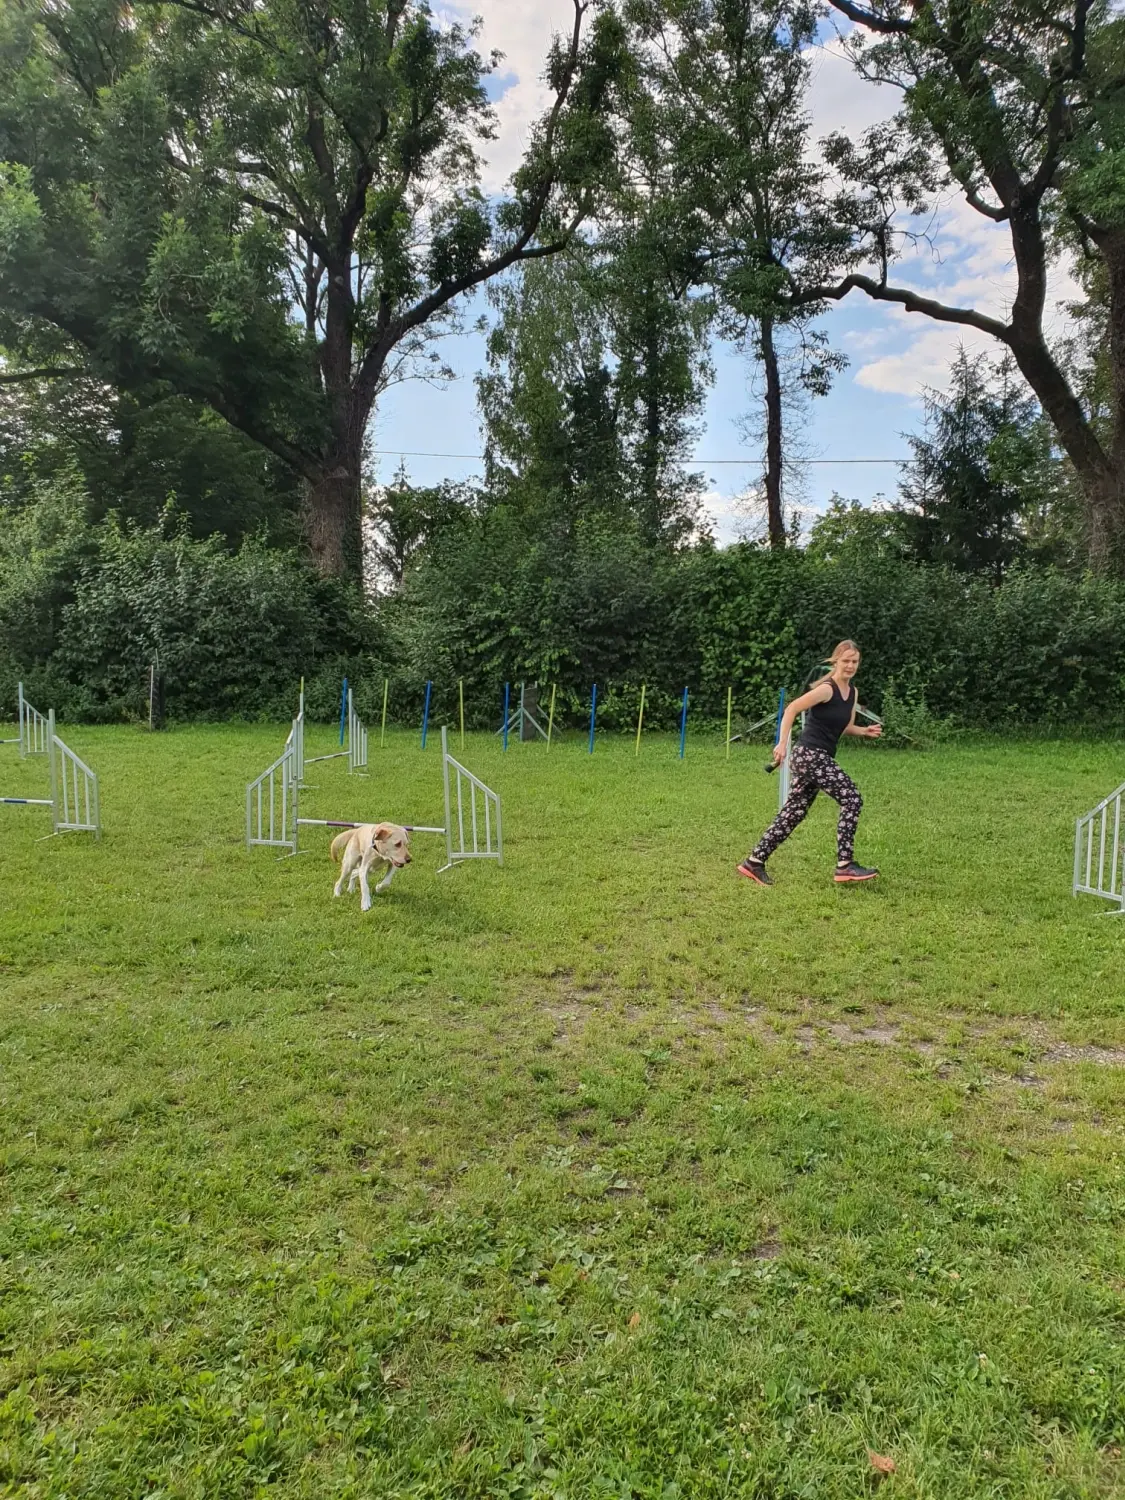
(85,609)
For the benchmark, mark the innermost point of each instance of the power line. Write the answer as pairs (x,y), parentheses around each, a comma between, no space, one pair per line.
(714,462)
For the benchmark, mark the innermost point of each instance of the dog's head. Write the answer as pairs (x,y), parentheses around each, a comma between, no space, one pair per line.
(391,843)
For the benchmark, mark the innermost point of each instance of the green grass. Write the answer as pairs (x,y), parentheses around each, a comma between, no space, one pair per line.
(603,1174)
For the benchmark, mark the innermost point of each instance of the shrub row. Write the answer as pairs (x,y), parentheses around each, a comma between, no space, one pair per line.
(84,609)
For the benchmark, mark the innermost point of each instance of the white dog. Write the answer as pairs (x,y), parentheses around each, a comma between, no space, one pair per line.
(369,844)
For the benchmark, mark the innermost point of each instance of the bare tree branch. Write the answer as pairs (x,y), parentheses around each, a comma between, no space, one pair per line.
(49,372)
(889,25)
(879,291)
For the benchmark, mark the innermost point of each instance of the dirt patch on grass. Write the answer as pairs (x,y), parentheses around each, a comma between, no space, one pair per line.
(943,1040)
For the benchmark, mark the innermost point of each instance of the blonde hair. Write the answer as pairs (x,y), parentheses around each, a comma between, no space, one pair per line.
(834,656)
(840,648)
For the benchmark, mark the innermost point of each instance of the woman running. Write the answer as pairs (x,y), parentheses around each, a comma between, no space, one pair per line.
(829,706)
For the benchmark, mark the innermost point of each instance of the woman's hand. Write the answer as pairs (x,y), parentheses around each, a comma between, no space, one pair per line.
(873,731)
(778,753)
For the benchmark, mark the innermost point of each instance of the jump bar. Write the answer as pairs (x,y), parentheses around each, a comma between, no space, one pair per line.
(335,823)
(35,802)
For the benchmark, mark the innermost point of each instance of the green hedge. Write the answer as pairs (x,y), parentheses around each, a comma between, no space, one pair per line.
(1044,648)
(84,609)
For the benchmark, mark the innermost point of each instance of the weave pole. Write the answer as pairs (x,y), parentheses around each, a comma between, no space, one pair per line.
(426,714)
(461,701)
(730,696)
(551,715)
(343,709)
(593,715)
(383,726)
(640,720)
(683,724)
(507,694)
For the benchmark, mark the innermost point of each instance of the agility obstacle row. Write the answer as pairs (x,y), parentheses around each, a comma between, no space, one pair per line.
(353,735)
(74,801)
(474,831)
(1094,827)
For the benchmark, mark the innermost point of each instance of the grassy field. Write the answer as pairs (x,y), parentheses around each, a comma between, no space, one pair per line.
(604,1174)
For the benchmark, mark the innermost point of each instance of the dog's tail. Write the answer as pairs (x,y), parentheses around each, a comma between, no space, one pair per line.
(339,844)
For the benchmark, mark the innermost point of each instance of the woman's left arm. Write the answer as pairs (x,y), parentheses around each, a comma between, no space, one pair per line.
(863,731)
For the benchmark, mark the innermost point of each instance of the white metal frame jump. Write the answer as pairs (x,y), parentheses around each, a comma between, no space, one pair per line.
(1109,880)
(273,812)
(33,737)
(355,749)
(74,801)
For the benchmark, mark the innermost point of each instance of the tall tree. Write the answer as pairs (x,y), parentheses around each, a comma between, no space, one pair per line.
(134,458)
(597,367)
(267,207)
(722,100)
(1019,106)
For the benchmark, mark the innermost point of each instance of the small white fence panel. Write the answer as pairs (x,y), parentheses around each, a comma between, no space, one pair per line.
(271,803)
(74,789)
(477,832)
(357,738)
(35,729)
(1099,856)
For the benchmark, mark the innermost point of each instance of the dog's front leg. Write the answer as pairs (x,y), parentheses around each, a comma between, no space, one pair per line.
(365,899)
(386,880)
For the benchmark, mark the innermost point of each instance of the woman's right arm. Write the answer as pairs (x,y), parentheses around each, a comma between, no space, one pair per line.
(818,694)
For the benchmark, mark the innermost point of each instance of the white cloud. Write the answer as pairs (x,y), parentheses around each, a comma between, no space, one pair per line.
(925,362)
(841,101)
(523,32)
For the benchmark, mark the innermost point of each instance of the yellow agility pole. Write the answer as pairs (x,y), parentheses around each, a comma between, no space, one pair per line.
(461,701)
(383,728)
(640,720)
(729,692)
(551,715)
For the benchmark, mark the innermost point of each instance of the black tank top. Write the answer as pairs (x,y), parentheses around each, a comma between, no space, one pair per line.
(826,722)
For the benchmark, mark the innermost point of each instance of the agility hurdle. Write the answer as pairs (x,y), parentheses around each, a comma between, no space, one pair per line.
(355,751)
(1100,825)
(273,814)
(34,737)
(74,801)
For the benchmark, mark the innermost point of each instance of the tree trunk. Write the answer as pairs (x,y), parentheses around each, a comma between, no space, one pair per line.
(775,519)
(333,506)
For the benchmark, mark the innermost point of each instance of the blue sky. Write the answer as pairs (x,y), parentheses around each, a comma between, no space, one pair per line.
(892,355)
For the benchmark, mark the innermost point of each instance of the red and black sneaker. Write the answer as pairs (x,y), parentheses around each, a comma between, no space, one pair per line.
(852,874)
(754,869)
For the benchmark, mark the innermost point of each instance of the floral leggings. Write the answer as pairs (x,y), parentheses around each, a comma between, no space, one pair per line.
(813,771)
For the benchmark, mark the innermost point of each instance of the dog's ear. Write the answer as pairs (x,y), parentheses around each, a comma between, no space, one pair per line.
(382,831)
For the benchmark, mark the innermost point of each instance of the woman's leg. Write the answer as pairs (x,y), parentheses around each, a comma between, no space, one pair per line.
(842,789)
(802,795)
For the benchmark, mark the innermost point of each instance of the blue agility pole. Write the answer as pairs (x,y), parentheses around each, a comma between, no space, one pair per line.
(426,714)
(683,724)
(507,689)
(593,715)
(780,715)
(343,709)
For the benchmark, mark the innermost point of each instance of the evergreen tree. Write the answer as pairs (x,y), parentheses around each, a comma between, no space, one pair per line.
(982,474)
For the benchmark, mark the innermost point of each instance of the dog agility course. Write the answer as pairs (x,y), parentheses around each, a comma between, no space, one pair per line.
(273,816)
(603,1173)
